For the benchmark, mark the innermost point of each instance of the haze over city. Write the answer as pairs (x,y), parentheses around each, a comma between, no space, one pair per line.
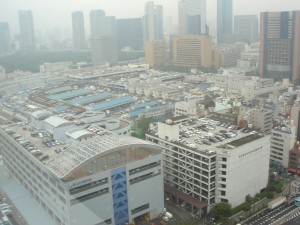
(57,13)
(138,112)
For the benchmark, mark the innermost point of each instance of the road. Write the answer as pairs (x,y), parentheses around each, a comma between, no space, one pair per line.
(295,220)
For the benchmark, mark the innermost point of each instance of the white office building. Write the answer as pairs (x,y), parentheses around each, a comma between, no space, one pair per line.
(242,168)
(282,141)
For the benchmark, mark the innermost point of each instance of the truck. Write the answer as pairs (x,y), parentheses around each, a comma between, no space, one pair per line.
(169,215)
(276,202)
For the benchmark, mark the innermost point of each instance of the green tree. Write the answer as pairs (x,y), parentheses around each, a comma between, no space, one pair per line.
(221,211)
(142,126)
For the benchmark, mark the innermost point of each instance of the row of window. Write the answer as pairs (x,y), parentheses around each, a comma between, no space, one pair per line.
(248,153)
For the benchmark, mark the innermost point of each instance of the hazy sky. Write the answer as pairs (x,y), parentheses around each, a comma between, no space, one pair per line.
(48,14)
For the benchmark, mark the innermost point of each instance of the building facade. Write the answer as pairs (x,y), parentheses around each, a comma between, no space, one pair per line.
(100,180)
(224,21)
(246,28)
(130,33)
(279,44)
(192,50)
(104,45)
(78,31)
(4,38)
(155,53)
(26,31)
(243,168)
(190,175)
(153,23)
(192,17)
(282,141)
(262,119)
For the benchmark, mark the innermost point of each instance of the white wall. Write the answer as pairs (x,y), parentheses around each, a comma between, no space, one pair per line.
(247,171)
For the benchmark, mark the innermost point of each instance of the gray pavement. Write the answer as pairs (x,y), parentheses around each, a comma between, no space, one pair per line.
(25,209)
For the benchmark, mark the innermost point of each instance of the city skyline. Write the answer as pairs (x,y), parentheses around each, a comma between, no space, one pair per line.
(134,8)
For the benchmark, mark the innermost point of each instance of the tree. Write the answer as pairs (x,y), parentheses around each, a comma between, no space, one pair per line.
(221,210)
(142,126)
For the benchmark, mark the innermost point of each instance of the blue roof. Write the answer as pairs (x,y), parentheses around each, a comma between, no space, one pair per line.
(297,199)
(143,105)
(71,94)
(60,107)
(138,112)
(58,90)
(88,99)
(112,103)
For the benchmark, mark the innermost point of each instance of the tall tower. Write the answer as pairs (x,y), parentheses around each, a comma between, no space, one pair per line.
(153,22)
(224,20)
(103,38)
(246,28)
(192,17)
(279,55)
(78,30)
(26,30)
(4,38)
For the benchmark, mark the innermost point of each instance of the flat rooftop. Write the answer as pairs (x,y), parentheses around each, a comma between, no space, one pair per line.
(196,134)
(244,140)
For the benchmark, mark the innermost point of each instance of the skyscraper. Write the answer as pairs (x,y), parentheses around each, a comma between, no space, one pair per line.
(279,55)
(192,17)
(224,20)
(130,33)
(246,28)
(4,38)
(153,22)
(26,30)
(103,38)
(78,30)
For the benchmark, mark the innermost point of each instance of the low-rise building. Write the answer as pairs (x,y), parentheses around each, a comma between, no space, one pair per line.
(101,180)
(282,141)
(261,119)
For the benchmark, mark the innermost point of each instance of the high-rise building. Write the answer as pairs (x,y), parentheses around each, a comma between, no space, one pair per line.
(279,55)
(192,17)
(130,33)
(246,28)
(155,52)
(153,22)
(78,30)
(192,50)
(26,31)
(4,38)
(224,20)
(104,49)
(103,38)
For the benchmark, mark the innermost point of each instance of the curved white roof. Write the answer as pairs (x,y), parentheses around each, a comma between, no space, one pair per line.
(41,114)
(78,133)
(56,121)
(75,156)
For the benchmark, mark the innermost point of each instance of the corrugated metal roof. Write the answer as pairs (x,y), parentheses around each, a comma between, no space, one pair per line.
(56,121)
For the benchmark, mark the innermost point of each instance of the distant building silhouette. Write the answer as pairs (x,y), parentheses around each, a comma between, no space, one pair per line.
(4,38)
(153,22)
(192,17)
(224,21)
(246,28)
(26,31)
(78,30)
(130,33)
(103,38)
(279,55)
